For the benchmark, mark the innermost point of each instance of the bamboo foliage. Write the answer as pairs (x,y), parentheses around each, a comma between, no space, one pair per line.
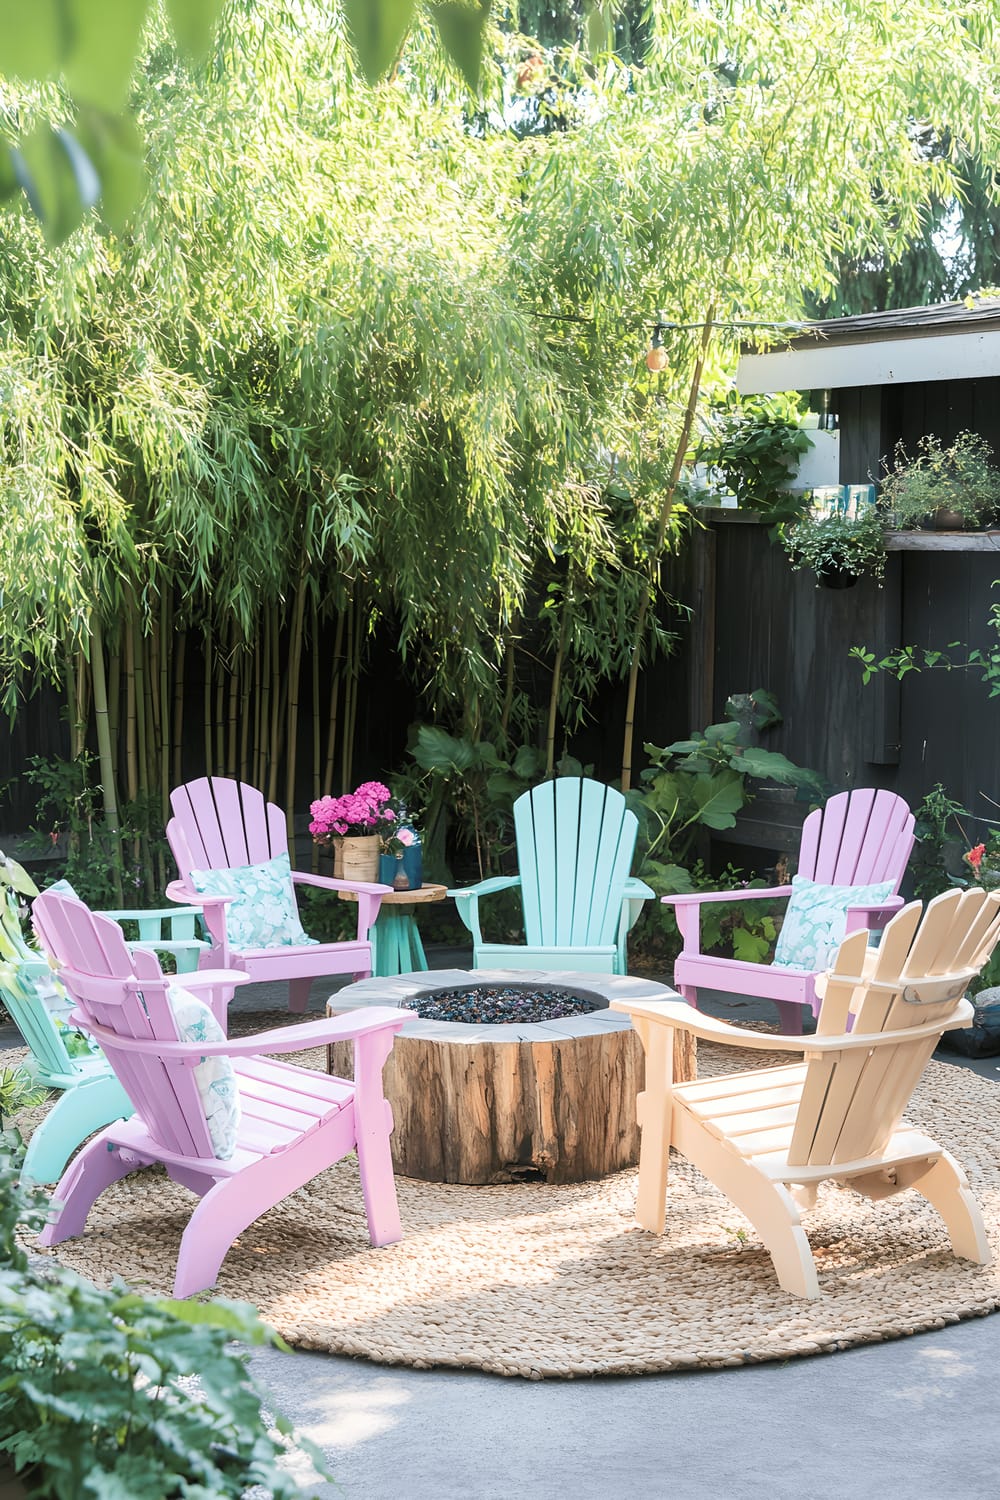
(369,362)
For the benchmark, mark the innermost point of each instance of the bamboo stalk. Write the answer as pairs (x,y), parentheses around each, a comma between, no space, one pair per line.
(104,754)
(207,700)
(297,630)
(219,730)
(166,626)
(274,747)
(509,681)
(177,727)
(73,706)
(661,531)
(333,718)
(232,745)
(350,700)
(114,678)
(317,738)
(557,670)
(245,716)
(131,724)
(260,706)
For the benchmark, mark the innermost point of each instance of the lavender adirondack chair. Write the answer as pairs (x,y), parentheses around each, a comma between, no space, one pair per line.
(218,825)
(858,838)
(294,1122)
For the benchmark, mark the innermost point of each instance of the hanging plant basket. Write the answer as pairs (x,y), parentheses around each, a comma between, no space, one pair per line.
(832,577)
(356,858)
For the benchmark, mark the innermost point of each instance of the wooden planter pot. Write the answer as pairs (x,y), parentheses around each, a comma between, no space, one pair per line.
(356,858)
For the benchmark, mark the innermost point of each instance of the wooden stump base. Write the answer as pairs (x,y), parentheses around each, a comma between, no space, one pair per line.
(485,1107)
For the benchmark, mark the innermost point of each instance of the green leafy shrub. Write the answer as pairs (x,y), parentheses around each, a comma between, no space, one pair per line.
(696,786)
(757,444)
(960,478)
(97,1396)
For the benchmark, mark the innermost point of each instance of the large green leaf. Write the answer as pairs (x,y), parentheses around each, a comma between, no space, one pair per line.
(30,38)
(768,763)
(461,24)
(194,23)
(114,145)
(377,28)
(718,798)
(104,43)
(58,178)
(436,750)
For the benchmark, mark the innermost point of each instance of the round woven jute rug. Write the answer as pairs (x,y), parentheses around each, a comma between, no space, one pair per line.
(540,1281)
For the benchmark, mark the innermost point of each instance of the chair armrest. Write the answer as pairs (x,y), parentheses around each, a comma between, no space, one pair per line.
(347,1027)
(637,890)
(204,979)
(487,887)
(332,883)
(687,906)
(467,900)
(684,1017)
(369,894)
(752,893)
(162,913)
(178,891)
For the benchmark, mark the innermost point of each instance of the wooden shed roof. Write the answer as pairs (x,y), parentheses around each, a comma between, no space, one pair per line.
(947,341)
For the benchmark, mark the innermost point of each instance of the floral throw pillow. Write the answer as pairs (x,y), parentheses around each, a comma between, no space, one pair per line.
(816,921)
(264,914)
(215,1077)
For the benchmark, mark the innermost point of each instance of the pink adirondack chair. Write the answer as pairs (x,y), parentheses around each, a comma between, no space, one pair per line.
(858,838)
(220,824)
(294,1122)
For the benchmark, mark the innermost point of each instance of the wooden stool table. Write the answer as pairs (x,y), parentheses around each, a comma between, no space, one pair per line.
(396,945)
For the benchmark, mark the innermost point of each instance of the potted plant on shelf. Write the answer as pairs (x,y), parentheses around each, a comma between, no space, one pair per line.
(839,548)
(951,489)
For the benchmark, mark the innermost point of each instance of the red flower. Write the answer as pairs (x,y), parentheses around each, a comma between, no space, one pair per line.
(975,856)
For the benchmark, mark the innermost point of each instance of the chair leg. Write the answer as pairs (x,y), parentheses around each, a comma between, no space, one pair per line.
(946,1188)
(378,1184)
(88,1106)
(298,995)
(654,1108)
(688,992)
(789,1017)
(98,1165)
(768,1205)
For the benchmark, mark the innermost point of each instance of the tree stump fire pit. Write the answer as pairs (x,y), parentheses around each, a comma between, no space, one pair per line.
(511,1075)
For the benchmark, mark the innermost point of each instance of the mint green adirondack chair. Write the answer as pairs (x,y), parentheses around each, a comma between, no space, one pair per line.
(62,1057)
(575,843)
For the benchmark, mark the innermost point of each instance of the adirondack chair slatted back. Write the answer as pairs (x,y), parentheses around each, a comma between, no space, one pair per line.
(219,824)
(857,838)
(575,842)
(126,992)
(21,966)
(853,1101)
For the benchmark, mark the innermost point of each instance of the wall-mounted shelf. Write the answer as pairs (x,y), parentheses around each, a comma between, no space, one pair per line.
(895,541)
(942,541)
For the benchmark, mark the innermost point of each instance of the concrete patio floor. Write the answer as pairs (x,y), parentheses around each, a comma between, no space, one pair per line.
(899,1421)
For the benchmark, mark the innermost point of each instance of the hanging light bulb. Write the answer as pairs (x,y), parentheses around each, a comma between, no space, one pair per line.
(656,354)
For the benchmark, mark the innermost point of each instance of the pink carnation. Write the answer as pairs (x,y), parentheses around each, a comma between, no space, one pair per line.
(406,836)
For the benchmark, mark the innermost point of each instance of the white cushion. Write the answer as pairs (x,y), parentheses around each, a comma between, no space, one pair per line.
(816,921)
(264,914)
(214,1077)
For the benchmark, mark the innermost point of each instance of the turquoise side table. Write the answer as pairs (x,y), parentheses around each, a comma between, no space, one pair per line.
(396,945)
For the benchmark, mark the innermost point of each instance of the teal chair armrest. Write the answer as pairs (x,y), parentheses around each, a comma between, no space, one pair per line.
(467,899)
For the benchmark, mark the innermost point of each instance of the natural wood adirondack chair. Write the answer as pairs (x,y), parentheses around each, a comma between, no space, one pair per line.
(295,1122)
(768,1137)
(575,842)
(858,838)
(220,824)
(91,1094)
